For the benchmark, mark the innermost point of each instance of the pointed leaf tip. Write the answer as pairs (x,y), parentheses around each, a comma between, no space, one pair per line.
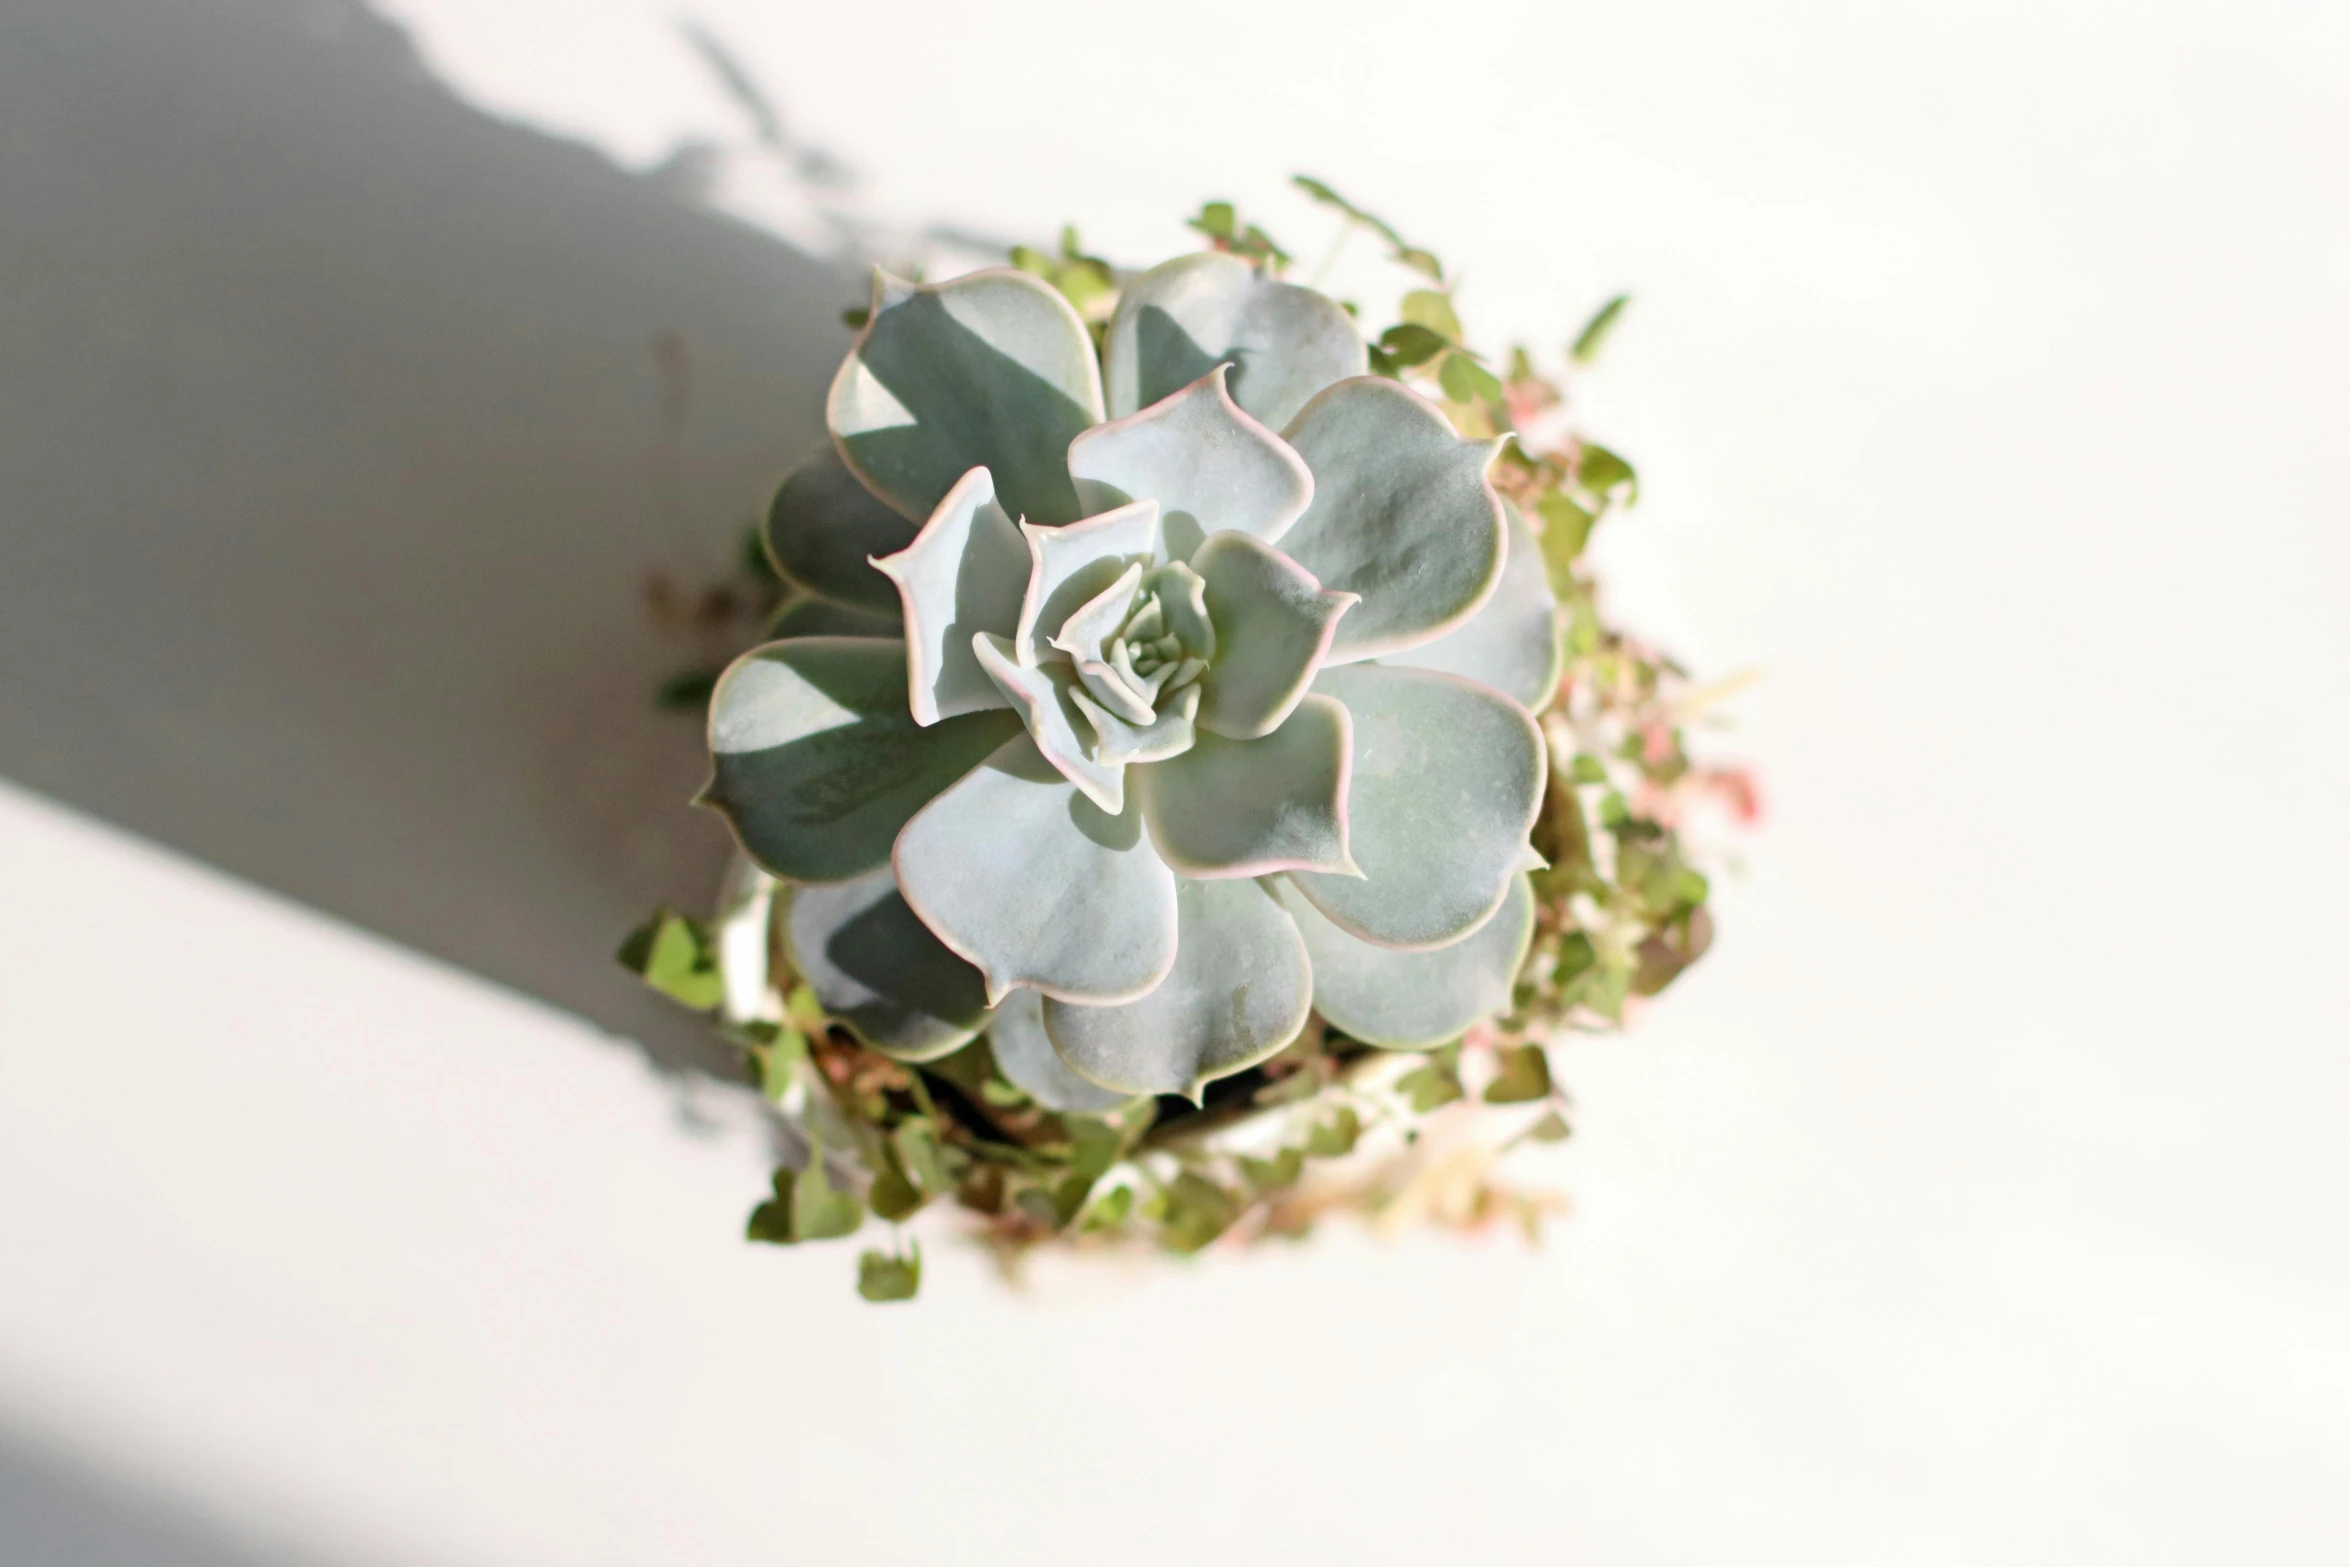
(1403,514)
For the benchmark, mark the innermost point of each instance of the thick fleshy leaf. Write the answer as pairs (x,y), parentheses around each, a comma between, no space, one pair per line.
(1208,464)
(809,616)
(963,574)
(1240,990)
(1183,598)
(991,370)
(1181,319)
(1119,688)
(1024,1054)
(1513,643)
(1086,633)
(1019,872)
(1045,699)
(1171,731)
(1250,807)
(825,528)
(1274,625)
(1409,999)
(1403,515)
(1447,777)
(1070,567)
(817,761)
(878,969)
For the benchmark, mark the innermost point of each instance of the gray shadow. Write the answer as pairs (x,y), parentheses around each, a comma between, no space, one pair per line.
(56,1513)
(339,426)
(1169,359)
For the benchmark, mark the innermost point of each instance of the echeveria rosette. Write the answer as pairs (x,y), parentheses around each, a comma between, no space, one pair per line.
(1190,727)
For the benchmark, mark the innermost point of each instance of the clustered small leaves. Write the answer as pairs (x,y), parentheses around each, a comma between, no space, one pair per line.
(1330,1123)
(1220,222)
(1088,282)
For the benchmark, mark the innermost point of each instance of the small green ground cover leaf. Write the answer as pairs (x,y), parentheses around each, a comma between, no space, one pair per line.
(1524,1076)
(675,956)
(884,1277)
(1594,335)
(1335,1137)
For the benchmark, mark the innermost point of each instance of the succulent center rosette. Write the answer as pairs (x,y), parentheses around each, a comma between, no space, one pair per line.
(1123,728)
(1139,650)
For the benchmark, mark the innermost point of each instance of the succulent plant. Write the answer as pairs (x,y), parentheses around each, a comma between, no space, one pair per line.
(1168,693)
(1165,695)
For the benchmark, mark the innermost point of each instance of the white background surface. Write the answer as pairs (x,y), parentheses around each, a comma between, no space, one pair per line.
(1982,1199)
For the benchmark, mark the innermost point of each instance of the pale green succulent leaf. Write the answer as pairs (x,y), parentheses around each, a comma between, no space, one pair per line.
(826,526)
(1240,990)
(1409,1000)
(877,968)
(994,370)
(807,615)
(1086,633)
(1447,777)
(1403,515)
(1182,594)
(1025,1055)
(1027,879)
(817,761)
(1181,319)
(1047,700)
(1274,624)
(1171,732)
(1117,688)
(963,574)
(1206,462)
(1069,567)
(1513,643)
(1230,808)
